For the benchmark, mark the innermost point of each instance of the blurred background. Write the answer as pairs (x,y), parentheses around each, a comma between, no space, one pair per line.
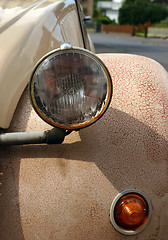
(129,26)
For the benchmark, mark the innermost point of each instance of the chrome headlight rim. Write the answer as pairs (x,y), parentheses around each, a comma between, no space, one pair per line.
(67,50)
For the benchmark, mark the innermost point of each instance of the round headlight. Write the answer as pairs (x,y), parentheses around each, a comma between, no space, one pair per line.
(70,88)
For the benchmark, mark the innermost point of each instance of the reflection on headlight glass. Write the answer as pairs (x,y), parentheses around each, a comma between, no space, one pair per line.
(70,88)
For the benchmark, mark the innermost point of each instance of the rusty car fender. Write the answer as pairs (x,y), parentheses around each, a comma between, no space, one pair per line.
(65,191)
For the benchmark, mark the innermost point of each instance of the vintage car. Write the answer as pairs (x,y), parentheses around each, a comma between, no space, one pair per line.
(83,137)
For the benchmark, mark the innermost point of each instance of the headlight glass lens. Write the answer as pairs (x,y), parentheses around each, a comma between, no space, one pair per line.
(70,88)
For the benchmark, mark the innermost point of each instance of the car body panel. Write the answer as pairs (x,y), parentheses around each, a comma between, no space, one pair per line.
(29,32)
(65,191)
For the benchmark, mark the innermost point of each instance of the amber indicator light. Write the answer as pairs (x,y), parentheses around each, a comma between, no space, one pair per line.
(131,212)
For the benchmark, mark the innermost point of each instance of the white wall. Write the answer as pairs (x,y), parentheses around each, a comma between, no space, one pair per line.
(110,8)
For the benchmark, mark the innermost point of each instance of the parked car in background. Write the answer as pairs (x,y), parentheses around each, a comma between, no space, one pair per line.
(83,137)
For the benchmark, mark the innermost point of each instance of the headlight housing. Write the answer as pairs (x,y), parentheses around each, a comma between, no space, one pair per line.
(70,88)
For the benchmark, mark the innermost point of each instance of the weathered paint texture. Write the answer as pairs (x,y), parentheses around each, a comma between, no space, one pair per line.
(65,191)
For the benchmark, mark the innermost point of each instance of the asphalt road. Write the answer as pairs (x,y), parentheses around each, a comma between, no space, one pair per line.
(154,48)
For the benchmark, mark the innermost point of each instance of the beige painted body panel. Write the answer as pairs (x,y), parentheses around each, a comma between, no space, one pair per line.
(28,31)
(60,192)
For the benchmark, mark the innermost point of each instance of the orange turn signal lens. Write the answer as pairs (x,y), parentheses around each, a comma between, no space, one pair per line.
(130,212)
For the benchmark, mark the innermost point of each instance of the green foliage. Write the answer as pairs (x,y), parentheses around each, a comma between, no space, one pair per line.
(162,24)
(98,17)
(161,1)
(165,21)
(141,11)
(103,20)
(96,12)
